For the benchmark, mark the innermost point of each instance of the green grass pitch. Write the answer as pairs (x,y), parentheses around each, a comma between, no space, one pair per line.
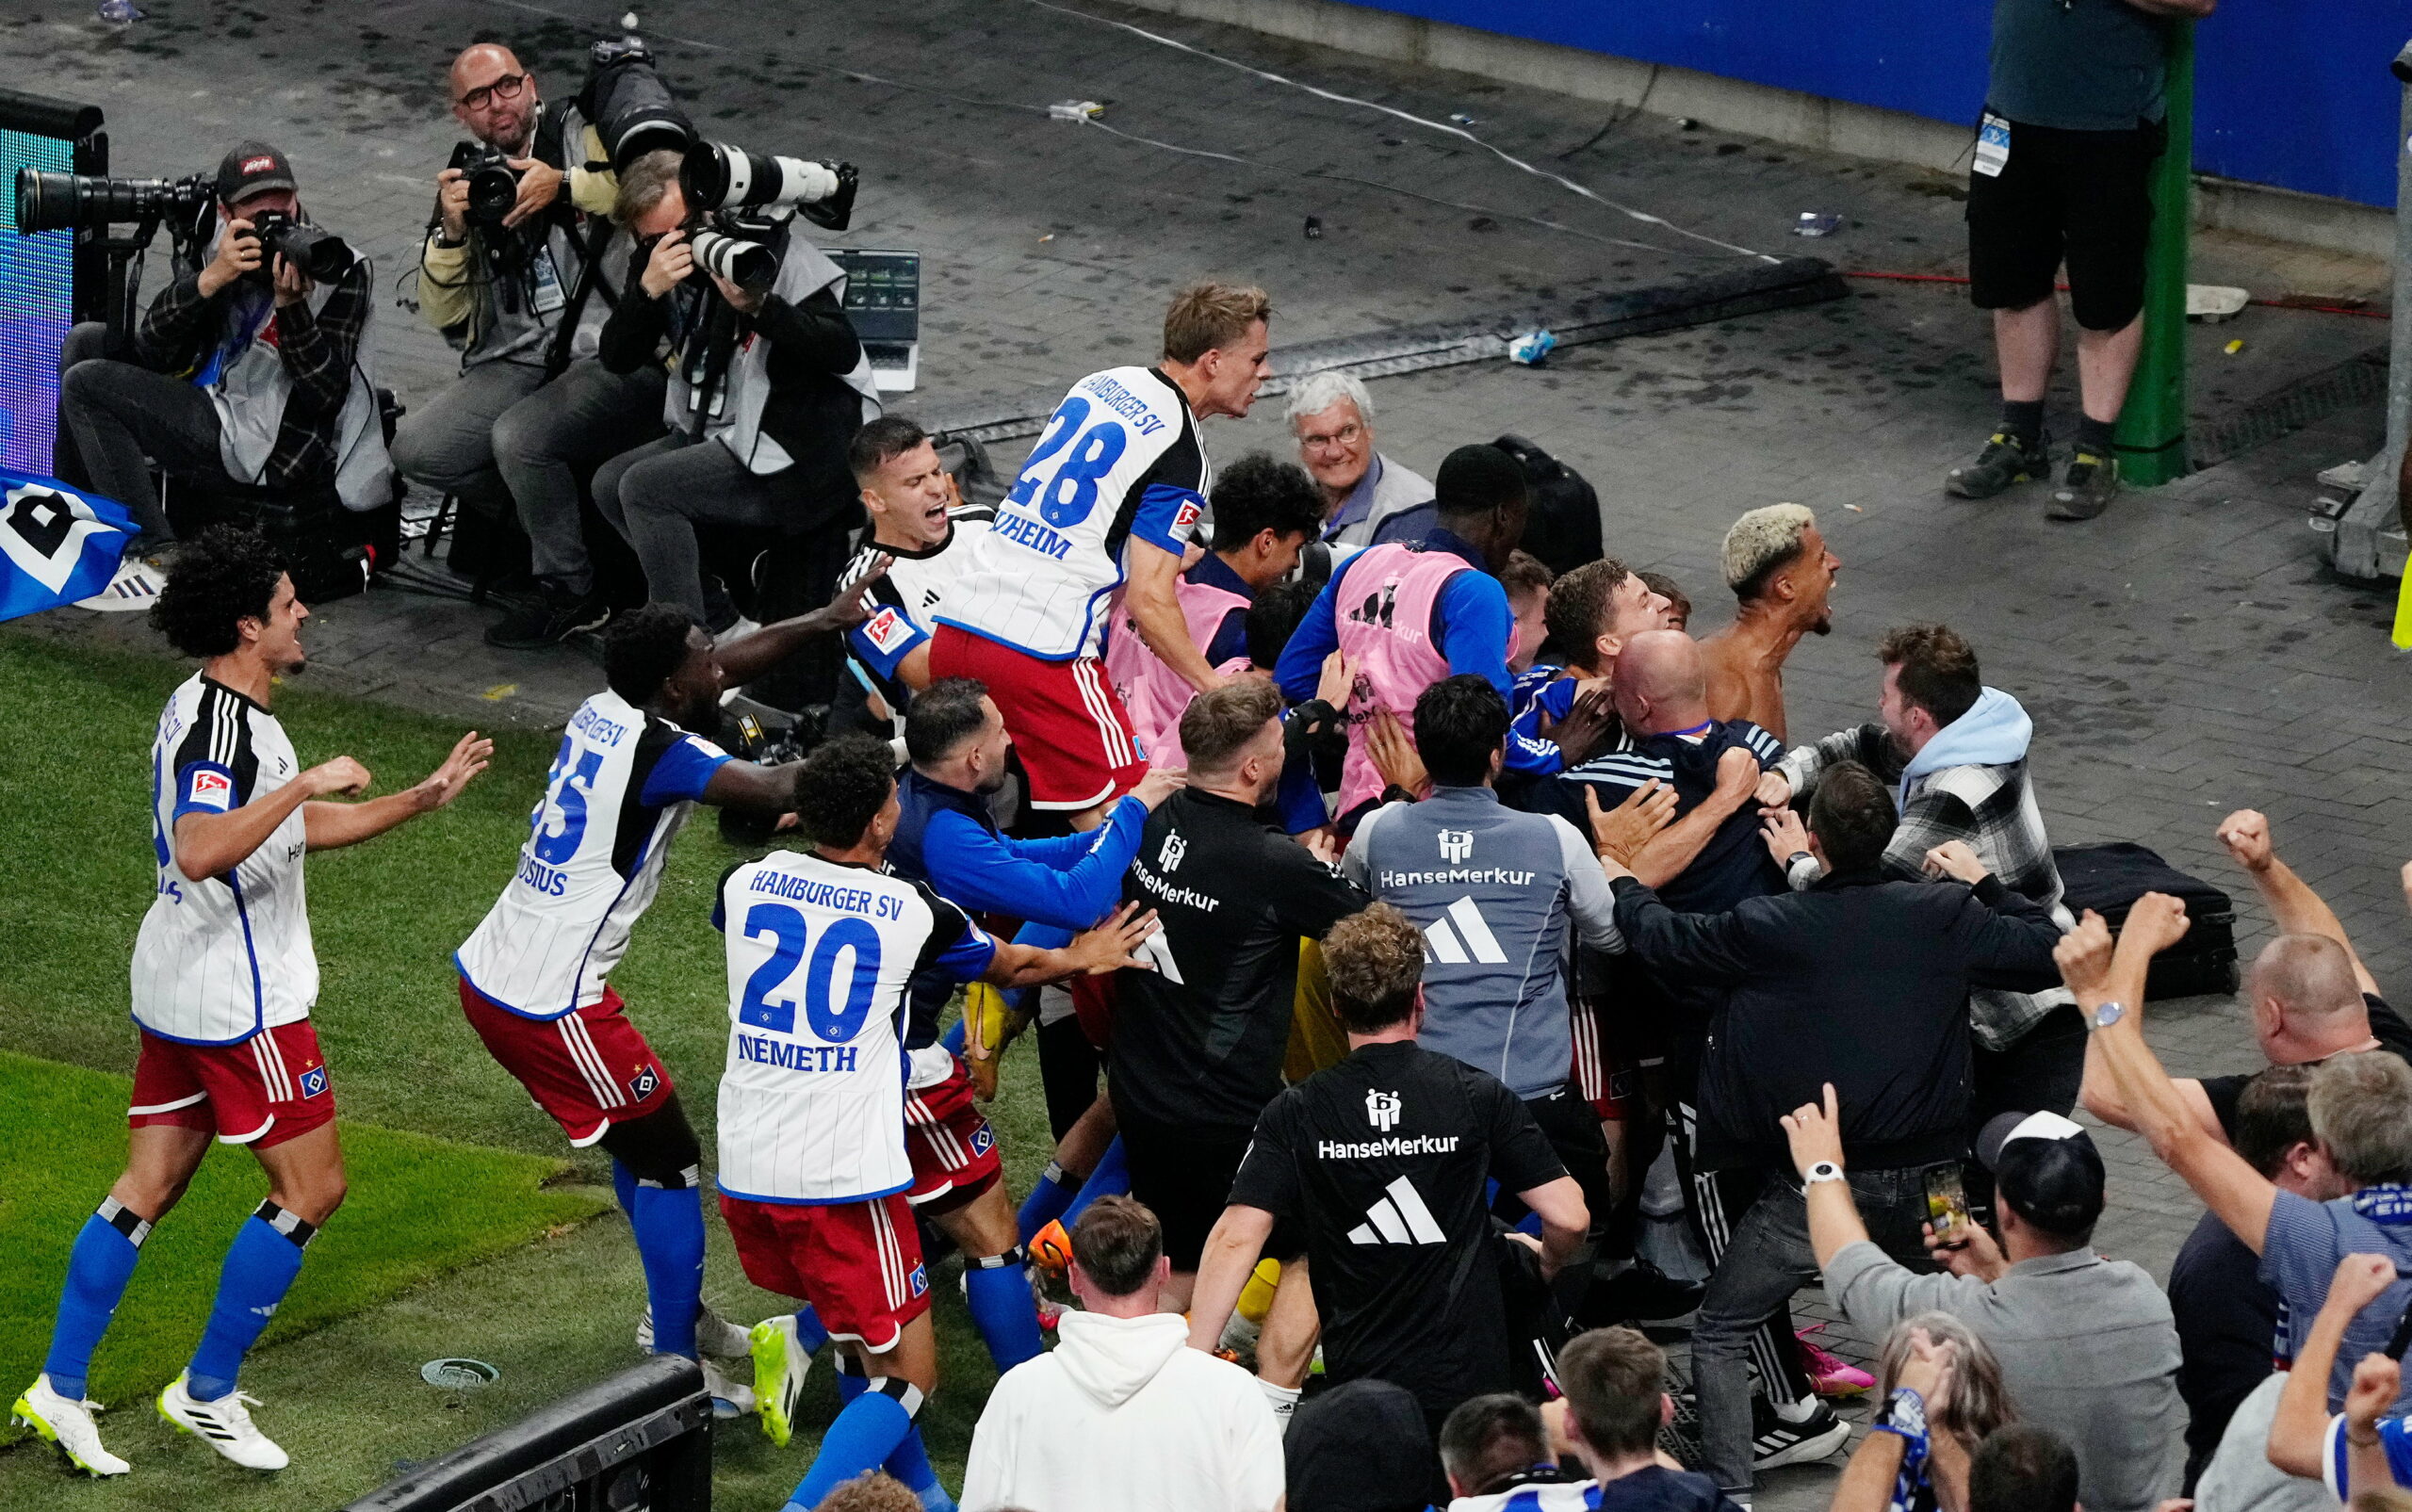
(439,1250)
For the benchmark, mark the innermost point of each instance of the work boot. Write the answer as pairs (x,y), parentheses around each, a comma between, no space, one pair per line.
(2008,458)
(2086,491)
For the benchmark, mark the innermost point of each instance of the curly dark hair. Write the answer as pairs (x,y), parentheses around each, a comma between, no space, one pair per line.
(223,577)
(841,788)
(1460,722)
(1257,492)
(644,648)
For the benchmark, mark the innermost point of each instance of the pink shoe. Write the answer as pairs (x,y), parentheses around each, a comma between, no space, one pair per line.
(1830,1375)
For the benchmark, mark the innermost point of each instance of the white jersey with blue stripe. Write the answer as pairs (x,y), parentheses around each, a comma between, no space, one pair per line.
(622,785)
(903,604)
(1119,460)
(819,957)
(220,959)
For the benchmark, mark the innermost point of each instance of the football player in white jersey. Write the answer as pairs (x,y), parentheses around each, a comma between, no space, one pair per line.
(223,981)
(533,973)
(813,1171)
(920,525)
(1104,506)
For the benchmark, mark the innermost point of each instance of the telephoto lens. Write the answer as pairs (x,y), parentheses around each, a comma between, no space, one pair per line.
(718,175)
(749,265)
(49,201)
(320,253)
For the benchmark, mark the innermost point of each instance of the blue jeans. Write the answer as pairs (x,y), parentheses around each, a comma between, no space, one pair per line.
(1768,1260)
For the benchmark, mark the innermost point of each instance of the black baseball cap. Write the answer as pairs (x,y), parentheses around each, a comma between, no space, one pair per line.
(2046,1168)
(252,168)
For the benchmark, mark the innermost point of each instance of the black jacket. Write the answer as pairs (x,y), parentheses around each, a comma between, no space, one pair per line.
(810,413)
(1858,980)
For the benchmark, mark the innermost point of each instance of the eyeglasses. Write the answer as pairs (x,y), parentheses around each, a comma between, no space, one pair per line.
(1348,435)
(505,88)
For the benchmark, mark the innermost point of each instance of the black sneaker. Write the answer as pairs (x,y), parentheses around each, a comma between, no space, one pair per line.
(2087,490)
(554,616)
(1774,1442)
(1641,1292)
(2006,459)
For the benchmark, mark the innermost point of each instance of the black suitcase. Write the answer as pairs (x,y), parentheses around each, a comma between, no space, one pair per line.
(2110,878)
(1562,518)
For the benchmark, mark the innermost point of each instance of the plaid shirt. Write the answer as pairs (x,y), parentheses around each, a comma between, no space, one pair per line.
(1992,808)
(316,347)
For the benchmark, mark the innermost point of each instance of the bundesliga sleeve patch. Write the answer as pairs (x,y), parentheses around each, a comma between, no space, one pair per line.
(889,631)
(208,788)
(1185,518)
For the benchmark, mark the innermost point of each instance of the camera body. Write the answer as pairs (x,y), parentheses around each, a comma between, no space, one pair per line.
(321,254)
(494,185)
(631,107)
(48,201)
(718,175)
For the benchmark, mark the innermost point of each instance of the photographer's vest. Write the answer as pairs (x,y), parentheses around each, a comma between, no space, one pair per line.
(728,406)
(1154,694)
(514,311)
(1382,617)
(247,385)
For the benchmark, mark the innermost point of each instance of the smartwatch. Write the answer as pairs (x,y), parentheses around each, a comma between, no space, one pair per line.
(1822,1171)
(2105,1015)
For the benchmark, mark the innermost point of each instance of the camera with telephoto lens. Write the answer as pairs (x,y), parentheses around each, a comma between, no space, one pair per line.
(628,103)
(494,185)
(48,201)
(320,253)
(738,250)
(717,175)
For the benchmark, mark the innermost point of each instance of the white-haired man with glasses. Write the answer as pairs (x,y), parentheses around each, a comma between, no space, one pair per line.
(1332,417)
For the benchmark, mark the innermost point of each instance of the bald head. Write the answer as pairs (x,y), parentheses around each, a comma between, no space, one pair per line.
(2311,980)
(493,95)
(1661,683)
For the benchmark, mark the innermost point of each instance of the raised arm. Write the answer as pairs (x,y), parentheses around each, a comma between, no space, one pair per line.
(1678,845)
(2299,1432)
(330,827)
(749,656)
(2293,906)
(2096,973)
(1093,952)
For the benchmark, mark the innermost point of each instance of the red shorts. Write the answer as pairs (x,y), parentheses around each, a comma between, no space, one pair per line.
(259,1092)
(858,1264)
(953,1149)
(1074,736)
(589,1069)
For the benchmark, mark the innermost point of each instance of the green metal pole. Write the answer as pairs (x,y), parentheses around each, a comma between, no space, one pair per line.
(2152,427)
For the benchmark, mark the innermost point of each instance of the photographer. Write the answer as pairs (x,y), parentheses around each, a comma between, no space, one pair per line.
(495,275)
(245,370)
(767,385)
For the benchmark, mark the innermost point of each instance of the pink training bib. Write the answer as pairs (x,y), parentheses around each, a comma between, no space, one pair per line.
(1153,694)
(1383,607)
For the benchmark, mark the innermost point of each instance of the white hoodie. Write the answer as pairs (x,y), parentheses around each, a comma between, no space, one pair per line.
(1123,1416)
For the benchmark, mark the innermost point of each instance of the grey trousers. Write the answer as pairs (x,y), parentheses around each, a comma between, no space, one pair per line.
(571,426)
(446,443)
(1767,1261)
(502,431)
(119,414)
(658,493)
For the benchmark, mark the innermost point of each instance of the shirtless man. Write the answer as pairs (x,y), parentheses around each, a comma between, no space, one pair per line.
(1777,564)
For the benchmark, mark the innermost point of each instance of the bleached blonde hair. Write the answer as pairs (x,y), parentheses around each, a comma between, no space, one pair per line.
(1761,541)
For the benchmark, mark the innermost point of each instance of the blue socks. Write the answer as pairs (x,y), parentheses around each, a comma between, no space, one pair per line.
(998,1289)
(908,1462)
(260,1268)
(1112,1178)
(98,1269)
(669,1227)
(1052,1193)
(867,1431)
(811,1336)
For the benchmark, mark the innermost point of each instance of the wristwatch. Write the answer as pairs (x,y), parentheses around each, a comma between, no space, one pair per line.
(2105,1015)
(1795,859)
(1823,1171)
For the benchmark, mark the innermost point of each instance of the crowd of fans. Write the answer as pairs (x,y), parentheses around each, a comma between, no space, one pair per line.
(1478,887)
